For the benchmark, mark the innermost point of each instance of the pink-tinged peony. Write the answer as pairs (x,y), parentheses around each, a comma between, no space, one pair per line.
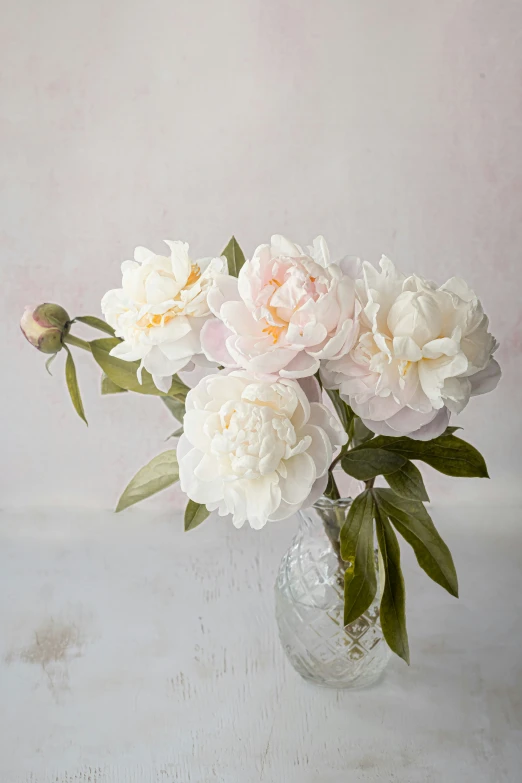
(287,311)
(160,309)
(258,450)
(421,353)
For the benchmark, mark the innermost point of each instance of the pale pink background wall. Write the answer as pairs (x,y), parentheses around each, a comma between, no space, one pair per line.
(387,126)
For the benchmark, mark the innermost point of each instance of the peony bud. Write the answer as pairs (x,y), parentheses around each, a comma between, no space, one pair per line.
(45,326)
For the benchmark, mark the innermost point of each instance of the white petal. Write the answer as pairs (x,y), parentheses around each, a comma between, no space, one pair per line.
(486,380)
(433,373)
(280,246)
(224,289)
(157,363)
(319,252)
(406,348)
(198,491)
(184,347)
(301,366)
(142,255)
(408,420)
(340,343)
(443,346)
(266,363)
(321,416)
(300,477)
(180,261)
(318,488)
(162,382)
(127,352)
(252,500)
(199,427)
(351,266)
(456,393)
(435,428)
(320,448)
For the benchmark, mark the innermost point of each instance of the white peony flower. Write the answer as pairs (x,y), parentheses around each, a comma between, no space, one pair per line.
(259,450)
(160,309)
(286,311)
(422,352)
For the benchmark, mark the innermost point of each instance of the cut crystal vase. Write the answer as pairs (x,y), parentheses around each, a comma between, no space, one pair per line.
(309,595)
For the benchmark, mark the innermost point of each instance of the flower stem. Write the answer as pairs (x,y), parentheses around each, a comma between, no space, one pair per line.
(70,339)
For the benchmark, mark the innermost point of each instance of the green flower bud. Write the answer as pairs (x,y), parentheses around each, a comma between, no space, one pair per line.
(45,326)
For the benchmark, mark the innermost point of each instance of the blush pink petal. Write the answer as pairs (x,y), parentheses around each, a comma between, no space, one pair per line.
(300,366)
(214,335)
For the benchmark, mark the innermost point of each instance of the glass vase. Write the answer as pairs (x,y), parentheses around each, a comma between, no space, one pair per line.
(309,595)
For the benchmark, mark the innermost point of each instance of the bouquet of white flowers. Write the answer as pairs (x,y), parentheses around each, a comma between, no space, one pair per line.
(309,366)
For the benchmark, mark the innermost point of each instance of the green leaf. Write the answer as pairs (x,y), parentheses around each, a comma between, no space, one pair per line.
(123,374)
(175,434)
(365,464)
(360,580)
(345,413)
(415,525)
(447,454)
(158,474)
(361,433)
(393,601)
(195,514)
(109,387)
(407,481)
(175,406)
(72,385)
(49,361)
(96,323)
(331,490)
(234,256)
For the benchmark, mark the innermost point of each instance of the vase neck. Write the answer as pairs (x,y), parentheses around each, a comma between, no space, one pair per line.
(326,514)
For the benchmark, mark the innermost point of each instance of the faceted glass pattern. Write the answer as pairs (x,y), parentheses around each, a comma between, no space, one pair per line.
(309,607)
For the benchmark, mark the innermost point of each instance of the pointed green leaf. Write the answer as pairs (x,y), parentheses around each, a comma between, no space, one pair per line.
(361,433)
(195,514)
(175,406)
(393,601)
(364,464)
(72,385)
(123,373)
(407,481)
(447,453)
(109,387)
(234,256)
(175,434)
(415,525)
(96,323)
(331,490)
(160,473)
(360,580)
(49,361)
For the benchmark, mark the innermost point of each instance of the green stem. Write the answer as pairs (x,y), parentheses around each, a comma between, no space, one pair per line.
(332,490)
(70,339)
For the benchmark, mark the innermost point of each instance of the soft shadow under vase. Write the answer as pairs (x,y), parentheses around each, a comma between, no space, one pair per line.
(309,594)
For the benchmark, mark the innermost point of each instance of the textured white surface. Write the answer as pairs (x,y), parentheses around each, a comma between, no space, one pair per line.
(134,653)
(389,126)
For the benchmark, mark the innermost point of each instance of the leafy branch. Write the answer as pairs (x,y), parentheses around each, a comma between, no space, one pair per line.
(398,509)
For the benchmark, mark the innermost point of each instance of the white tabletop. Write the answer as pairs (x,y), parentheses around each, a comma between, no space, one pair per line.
(131,652)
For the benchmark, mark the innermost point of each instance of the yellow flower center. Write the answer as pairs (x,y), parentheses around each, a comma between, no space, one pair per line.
(195,274)
(274,332)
